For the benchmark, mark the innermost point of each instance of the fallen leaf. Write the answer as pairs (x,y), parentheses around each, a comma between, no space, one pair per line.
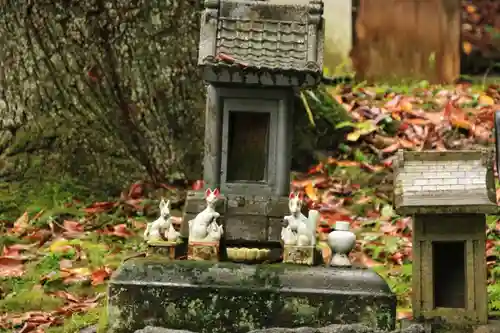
(136,190)
(100,275)
(121,230)
(467,47)
(74,275)
(60,246)
(311,192)
(392,148)
(486,100)
(11,267)
(21,225)
(100,207)
(73,226)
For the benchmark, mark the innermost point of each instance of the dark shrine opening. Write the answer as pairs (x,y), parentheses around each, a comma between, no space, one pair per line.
(449,274)
(248,146)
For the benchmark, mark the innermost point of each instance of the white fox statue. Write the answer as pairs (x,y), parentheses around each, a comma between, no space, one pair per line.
(300,230)
(161,225)
(204,228)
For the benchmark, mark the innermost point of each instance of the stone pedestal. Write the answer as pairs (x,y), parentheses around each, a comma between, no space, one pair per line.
(162,248)
(203,251)
(302,255)
(246,218)
(224,297)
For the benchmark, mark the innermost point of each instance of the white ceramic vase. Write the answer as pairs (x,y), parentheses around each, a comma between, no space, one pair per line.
(341,242)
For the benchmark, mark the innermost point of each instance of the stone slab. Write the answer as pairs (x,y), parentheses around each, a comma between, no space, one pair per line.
(236,298)
(354,328)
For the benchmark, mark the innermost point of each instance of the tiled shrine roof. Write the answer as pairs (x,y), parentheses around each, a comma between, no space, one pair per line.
(268,44)
(262,35)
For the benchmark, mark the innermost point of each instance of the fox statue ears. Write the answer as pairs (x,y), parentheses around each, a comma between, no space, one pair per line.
(214,192)
(299,195)
(164,204)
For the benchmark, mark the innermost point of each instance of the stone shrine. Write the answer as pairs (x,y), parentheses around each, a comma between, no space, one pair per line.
(255,55)
(448,194)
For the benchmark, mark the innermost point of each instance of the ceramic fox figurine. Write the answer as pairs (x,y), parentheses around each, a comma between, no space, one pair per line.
(203,227)
(154,229)
(300,230)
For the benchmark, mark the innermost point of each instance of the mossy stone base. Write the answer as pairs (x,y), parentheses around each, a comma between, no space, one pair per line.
(228,297)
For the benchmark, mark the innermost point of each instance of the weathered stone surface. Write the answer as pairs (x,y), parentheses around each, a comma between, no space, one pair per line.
(235,298)
(247,205)
(354,328)
(278,207)
(274,228)
(246,227)
(152,329)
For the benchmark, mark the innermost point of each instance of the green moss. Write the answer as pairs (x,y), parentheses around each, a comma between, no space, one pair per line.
(81,320)
(29,300)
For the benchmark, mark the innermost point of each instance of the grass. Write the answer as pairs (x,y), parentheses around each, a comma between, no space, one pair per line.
(34,291)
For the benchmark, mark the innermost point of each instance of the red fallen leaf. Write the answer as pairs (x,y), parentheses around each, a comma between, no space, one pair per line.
(316,169)
(136,190)
(347,164)
(418,121)
(403,127)
(100,207)
(406,143)
(67,296)
(404,314)
(135,203)
(388,162)
(41,236)
(364,200)
(11,267)
(9,251)
(100,275)
(138,224)
(324,229)
(371,168)
(21,225)
(397,258)
(198,185)
(119,230)
(319,181)
(392,148)
(73,226)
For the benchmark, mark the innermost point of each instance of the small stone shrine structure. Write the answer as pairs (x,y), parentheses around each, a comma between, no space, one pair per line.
(448,194)
(254,55)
